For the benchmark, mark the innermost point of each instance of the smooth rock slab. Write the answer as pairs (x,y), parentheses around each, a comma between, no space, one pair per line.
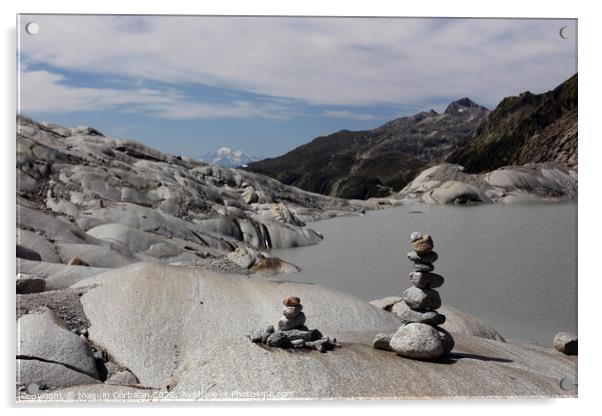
(421,299)
(425,280)
(41,336)
(419,341)
(566,343)
(50,375)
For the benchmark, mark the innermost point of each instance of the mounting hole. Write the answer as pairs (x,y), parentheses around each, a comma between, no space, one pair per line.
(32,28)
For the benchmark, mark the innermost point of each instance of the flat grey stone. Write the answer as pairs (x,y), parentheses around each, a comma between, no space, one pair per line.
(426,317)
(427,258)
(423,267)
(291,312)
(421,299)
(286,324)
(425,280)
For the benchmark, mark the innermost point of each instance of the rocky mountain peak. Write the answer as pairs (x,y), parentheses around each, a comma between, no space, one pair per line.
(462,105)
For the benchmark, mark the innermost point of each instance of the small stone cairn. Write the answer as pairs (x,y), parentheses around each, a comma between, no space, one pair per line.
(420,336)
(292,332)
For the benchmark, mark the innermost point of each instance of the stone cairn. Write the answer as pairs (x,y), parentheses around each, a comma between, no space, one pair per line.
(420,336)
(292,332)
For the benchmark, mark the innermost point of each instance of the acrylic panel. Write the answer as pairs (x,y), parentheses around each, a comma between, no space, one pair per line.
(285,208)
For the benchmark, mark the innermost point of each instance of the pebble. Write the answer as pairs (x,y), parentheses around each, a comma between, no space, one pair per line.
(285,324)
(428,317)
(423,267)
(292,301)
(382,342)
(428,258)
(422,243)
(291,312)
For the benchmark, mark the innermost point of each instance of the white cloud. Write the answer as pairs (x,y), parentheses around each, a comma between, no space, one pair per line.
(46,92)
(324,61)
(346,114)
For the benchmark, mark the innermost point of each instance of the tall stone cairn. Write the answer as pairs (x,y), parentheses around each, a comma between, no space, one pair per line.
(420,336)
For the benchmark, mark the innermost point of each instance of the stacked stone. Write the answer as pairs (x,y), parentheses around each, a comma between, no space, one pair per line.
(292,332)
(420,336)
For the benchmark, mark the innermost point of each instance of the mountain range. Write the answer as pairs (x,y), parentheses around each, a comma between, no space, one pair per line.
(375,163)
(229,158)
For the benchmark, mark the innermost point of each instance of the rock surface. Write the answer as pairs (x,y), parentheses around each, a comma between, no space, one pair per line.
(110,203)
(449,184)
(51,356)
(198,344)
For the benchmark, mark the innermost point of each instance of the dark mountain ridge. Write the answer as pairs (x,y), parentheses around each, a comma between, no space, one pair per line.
(370,163)
(529,128)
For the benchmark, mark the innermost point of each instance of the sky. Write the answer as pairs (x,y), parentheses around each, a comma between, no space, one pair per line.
(188,85)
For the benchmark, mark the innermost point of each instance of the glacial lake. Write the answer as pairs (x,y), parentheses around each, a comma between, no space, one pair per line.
(513,266)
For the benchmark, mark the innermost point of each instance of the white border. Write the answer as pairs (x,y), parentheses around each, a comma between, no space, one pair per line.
(589,202)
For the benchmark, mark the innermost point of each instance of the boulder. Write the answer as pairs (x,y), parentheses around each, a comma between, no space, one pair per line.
(39,244)
(245,257)
(269,266)
(29,284)
(42,337)
(27,254)
(566,343)
(419,341)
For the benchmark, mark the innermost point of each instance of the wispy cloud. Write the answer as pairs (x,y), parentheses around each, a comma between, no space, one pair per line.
(43,91)
(316,61)
(346,114)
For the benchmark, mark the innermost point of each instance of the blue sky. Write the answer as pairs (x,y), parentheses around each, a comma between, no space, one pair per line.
(189,85)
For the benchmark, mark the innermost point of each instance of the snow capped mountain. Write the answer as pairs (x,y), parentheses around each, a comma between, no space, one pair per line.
(229,158)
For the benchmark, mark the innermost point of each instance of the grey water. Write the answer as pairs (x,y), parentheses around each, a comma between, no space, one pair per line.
(513,266)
